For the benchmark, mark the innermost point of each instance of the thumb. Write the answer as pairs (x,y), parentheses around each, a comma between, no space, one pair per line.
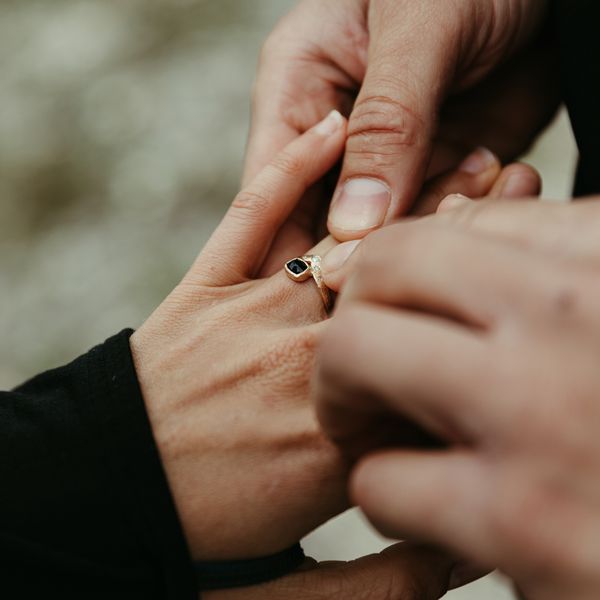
(394,118)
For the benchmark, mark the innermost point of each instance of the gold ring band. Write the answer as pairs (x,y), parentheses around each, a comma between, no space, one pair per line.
(302,268)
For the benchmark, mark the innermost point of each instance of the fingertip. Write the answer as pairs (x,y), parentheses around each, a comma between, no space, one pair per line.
(474,178)
(333,123)
(360,205)
(334,262)
(365,481)
(479,161)
(452,202)
(518,180)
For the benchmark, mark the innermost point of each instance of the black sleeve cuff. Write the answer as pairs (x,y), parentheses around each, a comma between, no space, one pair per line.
(242,573)
(85,508)
(137,463)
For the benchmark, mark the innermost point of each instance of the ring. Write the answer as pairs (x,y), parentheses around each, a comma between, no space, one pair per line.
(302,268)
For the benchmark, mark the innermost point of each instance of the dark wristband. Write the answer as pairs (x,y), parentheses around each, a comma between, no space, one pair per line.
(241,573)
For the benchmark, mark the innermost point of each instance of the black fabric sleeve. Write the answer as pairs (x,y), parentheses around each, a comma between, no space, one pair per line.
(85,508)
(242,573)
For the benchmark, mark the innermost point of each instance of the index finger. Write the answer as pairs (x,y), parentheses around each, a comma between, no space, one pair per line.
(378,367)
(563,230)
(237,248)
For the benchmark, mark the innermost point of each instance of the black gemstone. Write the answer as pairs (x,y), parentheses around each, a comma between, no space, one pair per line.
(297,266)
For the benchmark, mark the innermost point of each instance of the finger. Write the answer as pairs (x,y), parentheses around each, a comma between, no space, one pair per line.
(378,362)
(429,266)
(474,178)
(299,303)
(438,497)
(517,181)
(266,140)
(393,121)
(559,230)
(451,191)
(238,247)
(466,572)
(402,571)
(301,77)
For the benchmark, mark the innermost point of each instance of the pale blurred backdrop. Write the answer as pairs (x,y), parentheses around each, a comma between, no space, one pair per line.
(122,132)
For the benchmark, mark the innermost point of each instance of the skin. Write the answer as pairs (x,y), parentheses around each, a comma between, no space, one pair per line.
(225,365)
(492,348)
(423,83)
(402,572)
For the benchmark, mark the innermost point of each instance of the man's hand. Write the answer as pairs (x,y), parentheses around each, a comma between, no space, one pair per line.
(489,342)
(423,82)
(402,572)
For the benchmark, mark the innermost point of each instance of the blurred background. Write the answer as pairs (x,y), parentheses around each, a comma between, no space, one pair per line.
(122,132)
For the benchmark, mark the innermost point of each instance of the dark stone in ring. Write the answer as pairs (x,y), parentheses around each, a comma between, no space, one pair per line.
(298,269)
(297,266)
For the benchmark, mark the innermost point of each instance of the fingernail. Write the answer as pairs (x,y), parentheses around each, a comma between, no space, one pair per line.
(330,124)
(337,257)
(519,185)
(452,202)
(361,205)
(478,162)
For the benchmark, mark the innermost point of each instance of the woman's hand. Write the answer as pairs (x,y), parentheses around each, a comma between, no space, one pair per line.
(491,344)
(480,70)
(224,365)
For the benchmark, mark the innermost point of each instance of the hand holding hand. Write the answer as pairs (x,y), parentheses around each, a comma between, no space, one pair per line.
(225,365)
(423,82)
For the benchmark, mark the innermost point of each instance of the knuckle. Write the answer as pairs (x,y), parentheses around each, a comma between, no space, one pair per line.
(251,202)
(564,298)
(288,164)
(293,353)
(381,127)
(468,214)
(411,586)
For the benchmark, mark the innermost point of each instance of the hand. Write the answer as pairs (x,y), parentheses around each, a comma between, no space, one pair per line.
(559,230)
(511,183)
(225,365)
(480,174)
(402,572)
(413,64)
(490,343)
